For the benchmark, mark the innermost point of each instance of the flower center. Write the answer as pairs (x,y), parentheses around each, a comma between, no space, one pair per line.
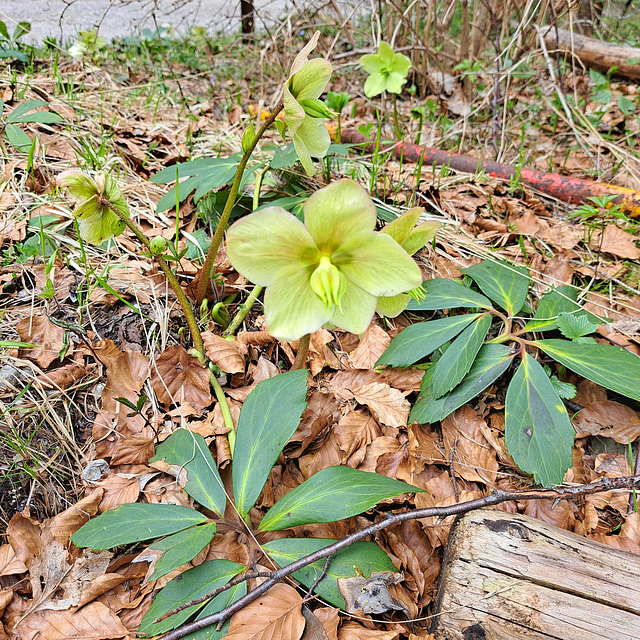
(328,283)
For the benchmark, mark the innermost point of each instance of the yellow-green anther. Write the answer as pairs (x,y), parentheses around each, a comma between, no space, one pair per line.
(327,284)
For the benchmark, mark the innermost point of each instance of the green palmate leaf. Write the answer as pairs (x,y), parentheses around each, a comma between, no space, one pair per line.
(365,556)
(269,417)
(189,451)
(574,326)
(612,367)
(420,340)
(181,547)
(538,433)
(443,293)
(220,602)
(454,365)
(491,362)
(506,285)
(332,494)
(560,300)
(190,585)
(131,523)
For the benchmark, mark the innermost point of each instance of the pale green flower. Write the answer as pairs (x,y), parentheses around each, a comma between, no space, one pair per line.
(387,71)
(304,111)
(411,238)
(331,269)
(96,221)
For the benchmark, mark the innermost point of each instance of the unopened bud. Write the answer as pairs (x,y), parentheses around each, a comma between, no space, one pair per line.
(316,108)
(158,246)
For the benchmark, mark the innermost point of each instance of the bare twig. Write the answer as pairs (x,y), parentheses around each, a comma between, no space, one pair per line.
(605,484)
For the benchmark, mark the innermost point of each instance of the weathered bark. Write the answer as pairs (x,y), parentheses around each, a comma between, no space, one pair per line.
(509,577)
(596,53)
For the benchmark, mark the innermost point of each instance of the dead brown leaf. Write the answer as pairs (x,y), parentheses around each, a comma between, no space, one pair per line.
(62,377)
(276,615)
(609,419)
(70,520)
(24,537)
(229,355)
(615,241)
(118,490)
(371,595)
(48,337)
(179,377)
(9,563)
(388,405)
(329,618)
(372,345)
(355,631)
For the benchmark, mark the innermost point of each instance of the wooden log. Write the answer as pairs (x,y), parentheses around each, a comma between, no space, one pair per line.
(512,577)
(596,54)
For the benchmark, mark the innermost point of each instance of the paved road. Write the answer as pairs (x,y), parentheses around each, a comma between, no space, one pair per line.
(118,18)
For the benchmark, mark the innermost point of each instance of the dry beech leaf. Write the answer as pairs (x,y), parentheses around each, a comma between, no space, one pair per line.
(371,595)
(276,615)
(263,370)
(118,490)
(313,629)
(132,450)
(556,513)
(62,377)
(227,354)
(609,419)
(9,563)
(388,405)
(319,354)
(24,536)
(330,619)
(39,330)
(617,242)
(70,520)
(474,459)
(93,622)
(125,376)
(355,631)
(179,377)
(372,345)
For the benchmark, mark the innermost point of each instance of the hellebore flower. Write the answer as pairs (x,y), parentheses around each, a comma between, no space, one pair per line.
(411,238)
(387,71)
(304,111)
(331,269)
(96,221)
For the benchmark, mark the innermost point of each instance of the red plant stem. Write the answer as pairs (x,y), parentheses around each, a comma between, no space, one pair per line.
(565,188)
(498,497)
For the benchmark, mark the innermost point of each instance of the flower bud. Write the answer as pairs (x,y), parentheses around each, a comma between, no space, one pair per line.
(157,246)
(315,108)
(328,283)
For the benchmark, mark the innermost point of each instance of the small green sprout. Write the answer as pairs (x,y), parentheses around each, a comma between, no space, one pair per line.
(387,71)
(331,269)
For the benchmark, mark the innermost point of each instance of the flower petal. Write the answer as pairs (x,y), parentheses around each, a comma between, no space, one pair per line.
(358,308)
(316,137)
(291,308)
(301,58)
(375,84)
(311,80)
(420,236)
(97,223)
(395,82)
(338,212)
(303,155)
(80,185)
(293,112)
(386,53)
(400,228)
(370,62)
(401,64)
(378,264)
(392,307)
(264,243)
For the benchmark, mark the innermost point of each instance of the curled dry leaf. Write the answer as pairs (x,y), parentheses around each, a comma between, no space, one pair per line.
(615,241)
(388,405)
(355,631)
(24,537)
(179,377)
(371,595)
(62,377)
(329,619)
(609,419)
(70,520)
(373,344)
(126,374)
(48,337)
(313,629)
(276,615)
(229,355)
(9,563)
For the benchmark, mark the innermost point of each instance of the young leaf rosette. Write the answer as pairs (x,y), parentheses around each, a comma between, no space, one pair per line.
(303,109)
(387,71)
(95,202)
(331,269)
(411,238)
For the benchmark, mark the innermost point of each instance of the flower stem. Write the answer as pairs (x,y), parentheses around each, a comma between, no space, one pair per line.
(192,323)
(396,127)
(226,412)
(207,268)
(301,358)
(242,312)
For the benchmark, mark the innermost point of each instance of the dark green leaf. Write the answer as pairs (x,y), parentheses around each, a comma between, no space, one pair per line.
(366,556)
(443,293)
(45,117)
(3,30)
(612,367)
(189,450)
(220,602)
(131,523)
(190,585)
(21,29)
(560,300)
(181,547)
(269,417)
(454,365)
(538,433)
(505,284)
(419,340)
(574,326)
(18,138)
(492,361)
(332,494)
(284,157)
(25,107)
(13,53)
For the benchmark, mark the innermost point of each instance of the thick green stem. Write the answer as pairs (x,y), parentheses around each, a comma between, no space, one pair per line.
(192,323)
(242,312)
(226,412)
(396,127)
(303,351)
(207,268)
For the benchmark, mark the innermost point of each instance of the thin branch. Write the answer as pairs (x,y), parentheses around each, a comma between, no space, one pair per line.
(605,484)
